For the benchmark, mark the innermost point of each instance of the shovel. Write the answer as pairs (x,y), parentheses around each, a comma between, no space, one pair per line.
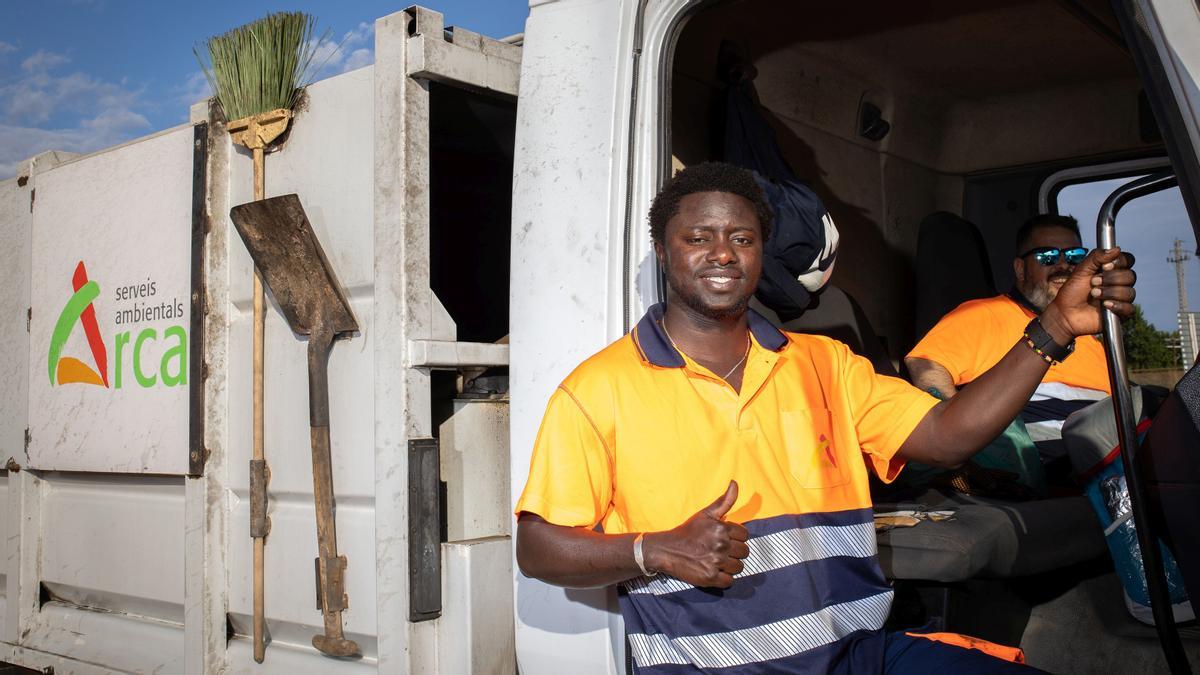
(291,262)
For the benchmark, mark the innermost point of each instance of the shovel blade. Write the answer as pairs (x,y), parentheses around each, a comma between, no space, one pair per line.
(285,249)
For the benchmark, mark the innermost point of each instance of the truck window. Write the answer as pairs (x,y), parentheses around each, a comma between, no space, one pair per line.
(470,182)
(1155,229)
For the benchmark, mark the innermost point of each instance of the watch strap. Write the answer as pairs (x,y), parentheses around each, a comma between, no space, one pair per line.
(1040,341)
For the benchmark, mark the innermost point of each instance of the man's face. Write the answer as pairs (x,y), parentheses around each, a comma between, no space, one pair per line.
(1040,283)
(712,252)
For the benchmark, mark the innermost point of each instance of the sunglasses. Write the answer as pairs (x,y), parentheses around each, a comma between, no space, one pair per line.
(1049,255)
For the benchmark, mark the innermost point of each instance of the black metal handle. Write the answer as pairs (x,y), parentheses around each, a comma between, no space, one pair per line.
(424,530)
(1118,377)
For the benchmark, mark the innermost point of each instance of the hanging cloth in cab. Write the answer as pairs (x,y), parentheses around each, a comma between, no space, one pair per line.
(798,257)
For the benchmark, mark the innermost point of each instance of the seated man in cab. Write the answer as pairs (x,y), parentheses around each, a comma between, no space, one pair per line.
(972,338)
(716,468)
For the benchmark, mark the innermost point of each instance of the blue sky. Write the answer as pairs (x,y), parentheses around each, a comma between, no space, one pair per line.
(81,75)
(1147,228)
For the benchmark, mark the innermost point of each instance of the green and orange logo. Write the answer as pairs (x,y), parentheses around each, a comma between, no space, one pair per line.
(79,309)
(164,364)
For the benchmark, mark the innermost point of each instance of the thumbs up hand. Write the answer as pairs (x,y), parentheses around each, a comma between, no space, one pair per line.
(705,550)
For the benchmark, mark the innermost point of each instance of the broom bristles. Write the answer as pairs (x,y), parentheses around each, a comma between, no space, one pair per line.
(261,66)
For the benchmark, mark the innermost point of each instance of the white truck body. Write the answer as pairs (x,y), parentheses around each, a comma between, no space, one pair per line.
(119,557)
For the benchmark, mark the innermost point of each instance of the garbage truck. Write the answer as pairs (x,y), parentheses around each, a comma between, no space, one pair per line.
(477,207)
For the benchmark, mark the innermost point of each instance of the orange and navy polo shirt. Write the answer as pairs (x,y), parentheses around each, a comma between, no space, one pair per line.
(978,333)
(640,437)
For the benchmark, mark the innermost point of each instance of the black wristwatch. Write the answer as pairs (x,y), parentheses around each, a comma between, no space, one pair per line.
(1037,339)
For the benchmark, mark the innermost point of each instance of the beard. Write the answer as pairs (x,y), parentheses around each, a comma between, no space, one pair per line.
(1043,294)
(697,303)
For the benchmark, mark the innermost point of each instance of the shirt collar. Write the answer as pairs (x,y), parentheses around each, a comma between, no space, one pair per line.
(654,345)
(1018,297)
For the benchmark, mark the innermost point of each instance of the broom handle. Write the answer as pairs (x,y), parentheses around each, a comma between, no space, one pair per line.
(259,340)
(259,321)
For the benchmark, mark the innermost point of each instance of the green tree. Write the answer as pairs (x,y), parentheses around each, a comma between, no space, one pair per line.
(1146,346)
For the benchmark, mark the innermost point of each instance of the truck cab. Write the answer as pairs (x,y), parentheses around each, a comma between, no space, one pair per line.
(985,111)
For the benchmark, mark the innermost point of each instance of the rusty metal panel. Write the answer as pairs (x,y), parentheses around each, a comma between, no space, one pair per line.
(196,451)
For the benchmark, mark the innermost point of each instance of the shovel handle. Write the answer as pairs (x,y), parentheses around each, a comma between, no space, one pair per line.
(330,566)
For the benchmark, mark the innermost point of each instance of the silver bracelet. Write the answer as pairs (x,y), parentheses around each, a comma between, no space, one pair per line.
(638,556)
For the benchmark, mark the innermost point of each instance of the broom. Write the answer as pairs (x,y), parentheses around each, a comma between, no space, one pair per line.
(257,73)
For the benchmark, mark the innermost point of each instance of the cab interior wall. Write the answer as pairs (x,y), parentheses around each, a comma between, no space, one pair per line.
(969,88)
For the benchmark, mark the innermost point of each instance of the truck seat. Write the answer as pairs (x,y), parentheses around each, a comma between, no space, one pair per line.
(989,538)
(835,314)
(951,267)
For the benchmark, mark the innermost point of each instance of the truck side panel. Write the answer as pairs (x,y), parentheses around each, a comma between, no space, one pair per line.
(568,205)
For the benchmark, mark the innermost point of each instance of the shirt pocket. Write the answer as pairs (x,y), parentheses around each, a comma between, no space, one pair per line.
(811,453)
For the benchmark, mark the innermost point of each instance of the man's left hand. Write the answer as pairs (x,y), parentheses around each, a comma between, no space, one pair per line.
(1104,280)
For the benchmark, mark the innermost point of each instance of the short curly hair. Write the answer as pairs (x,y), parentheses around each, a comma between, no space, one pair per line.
(1044,221)
(707,177)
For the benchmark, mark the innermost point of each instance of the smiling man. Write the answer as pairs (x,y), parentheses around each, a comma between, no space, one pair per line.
(716,468)
(975,336)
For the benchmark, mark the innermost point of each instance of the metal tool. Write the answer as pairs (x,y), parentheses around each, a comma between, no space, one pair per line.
(1122,398)
(289,257)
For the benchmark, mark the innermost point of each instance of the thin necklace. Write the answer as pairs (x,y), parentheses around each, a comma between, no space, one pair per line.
(663,322)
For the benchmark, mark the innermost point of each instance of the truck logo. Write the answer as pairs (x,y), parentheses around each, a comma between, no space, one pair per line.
(169,357)
(79,309)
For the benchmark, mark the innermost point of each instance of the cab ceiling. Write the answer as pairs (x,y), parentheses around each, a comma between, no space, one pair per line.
(971,49)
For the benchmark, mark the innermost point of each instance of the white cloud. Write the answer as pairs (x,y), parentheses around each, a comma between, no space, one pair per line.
(196,88)
(43,61)
(19,143)
(358,59)
(35,107)
(114,122)
(38,95)
(354,50)
(6,48)
(327,52)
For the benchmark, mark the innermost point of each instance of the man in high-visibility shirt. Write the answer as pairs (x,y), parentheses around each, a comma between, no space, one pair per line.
(716,468)
(975,336)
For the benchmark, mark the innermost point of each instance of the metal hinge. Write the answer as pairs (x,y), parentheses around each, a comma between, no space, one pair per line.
(32,194)
(335,569)
(28,438)
(260,475)
(28,318)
